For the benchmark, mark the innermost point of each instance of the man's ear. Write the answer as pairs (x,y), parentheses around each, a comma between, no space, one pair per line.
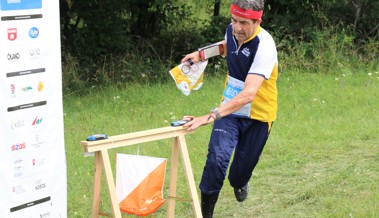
(258,21)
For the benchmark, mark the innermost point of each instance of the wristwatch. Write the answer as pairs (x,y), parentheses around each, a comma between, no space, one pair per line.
(215,111)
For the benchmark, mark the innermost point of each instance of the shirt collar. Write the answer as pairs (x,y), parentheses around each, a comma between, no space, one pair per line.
(255,34)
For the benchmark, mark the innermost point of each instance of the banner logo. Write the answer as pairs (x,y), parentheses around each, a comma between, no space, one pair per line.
(26,106)
(13,89)
(30,204)
(45,215)
(11,5)
(37,121)
(18,146)
(34,52)
(17,124)
(12,34)
(18,168)
(19,189)
(13,56)
(37,142)
(37,163)
(39,184)
(33,32)
(26,72)
(21,17)
(27,88)
(41,86)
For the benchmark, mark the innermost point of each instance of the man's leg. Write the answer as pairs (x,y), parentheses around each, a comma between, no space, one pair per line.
(254,135)
(208,203)
(222,143)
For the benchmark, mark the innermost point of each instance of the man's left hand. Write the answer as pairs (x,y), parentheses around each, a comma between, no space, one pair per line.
(197,121)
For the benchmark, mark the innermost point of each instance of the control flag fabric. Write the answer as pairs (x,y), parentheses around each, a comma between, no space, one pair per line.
(139,183)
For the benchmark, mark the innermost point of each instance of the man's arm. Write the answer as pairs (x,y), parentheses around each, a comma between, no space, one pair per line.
(252,84)
(195,56)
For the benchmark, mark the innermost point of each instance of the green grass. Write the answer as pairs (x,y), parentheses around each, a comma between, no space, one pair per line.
(321,160)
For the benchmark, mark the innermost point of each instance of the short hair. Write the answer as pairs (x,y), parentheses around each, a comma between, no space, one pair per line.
(255,5)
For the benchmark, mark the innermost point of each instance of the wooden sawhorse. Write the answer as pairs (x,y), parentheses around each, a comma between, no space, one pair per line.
(101,147)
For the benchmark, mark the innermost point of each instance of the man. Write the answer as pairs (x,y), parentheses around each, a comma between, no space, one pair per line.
(249,103)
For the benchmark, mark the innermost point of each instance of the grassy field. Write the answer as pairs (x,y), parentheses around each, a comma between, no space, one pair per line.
(321,160)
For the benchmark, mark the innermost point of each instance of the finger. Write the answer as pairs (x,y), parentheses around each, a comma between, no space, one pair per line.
(188,124)
(188,117)
(192,127)
(185,59)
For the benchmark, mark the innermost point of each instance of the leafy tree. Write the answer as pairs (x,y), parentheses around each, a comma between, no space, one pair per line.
(157,32)
(301,18)
(106,25)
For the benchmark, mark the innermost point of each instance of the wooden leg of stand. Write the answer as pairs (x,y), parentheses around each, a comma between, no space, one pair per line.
(96,186)
(111,184)
(189,176)
(173,176)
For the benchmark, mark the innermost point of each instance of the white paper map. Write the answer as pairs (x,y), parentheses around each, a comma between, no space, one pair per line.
(189,80)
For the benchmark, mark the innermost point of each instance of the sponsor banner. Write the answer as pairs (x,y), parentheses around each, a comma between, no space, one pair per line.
(32,153)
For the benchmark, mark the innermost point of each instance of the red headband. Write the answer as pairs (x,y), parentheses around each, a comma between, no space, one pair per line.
(250,14)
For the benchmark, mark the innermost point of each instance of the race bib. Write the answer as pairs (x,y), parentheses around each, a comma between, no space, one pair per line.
(232,89)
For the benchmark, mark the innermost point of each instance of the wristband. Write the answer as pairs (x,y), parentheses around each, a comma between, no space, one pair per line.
(211,51)
(210,116)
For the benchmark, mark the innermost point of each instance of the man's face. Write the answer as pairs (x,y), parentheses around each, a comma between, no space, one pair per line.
(243,28)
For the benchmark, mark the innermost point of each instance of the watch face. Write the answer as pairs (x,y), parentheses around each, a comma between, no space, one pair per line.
(215,111)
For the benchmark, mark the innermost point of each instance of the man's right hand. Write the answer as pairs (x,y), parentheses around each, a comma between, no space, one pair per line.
(194,56)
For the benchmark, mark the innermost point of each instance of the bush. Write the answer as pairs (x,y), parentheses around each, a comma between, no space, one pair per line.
(115,43)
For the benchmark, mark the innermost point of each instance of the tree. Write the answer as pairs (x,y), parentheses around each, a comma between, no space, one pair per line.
(216,10)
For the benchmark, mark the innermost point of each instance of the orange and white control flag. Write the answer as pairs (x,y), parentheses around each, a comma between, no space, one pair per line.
(139,183)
